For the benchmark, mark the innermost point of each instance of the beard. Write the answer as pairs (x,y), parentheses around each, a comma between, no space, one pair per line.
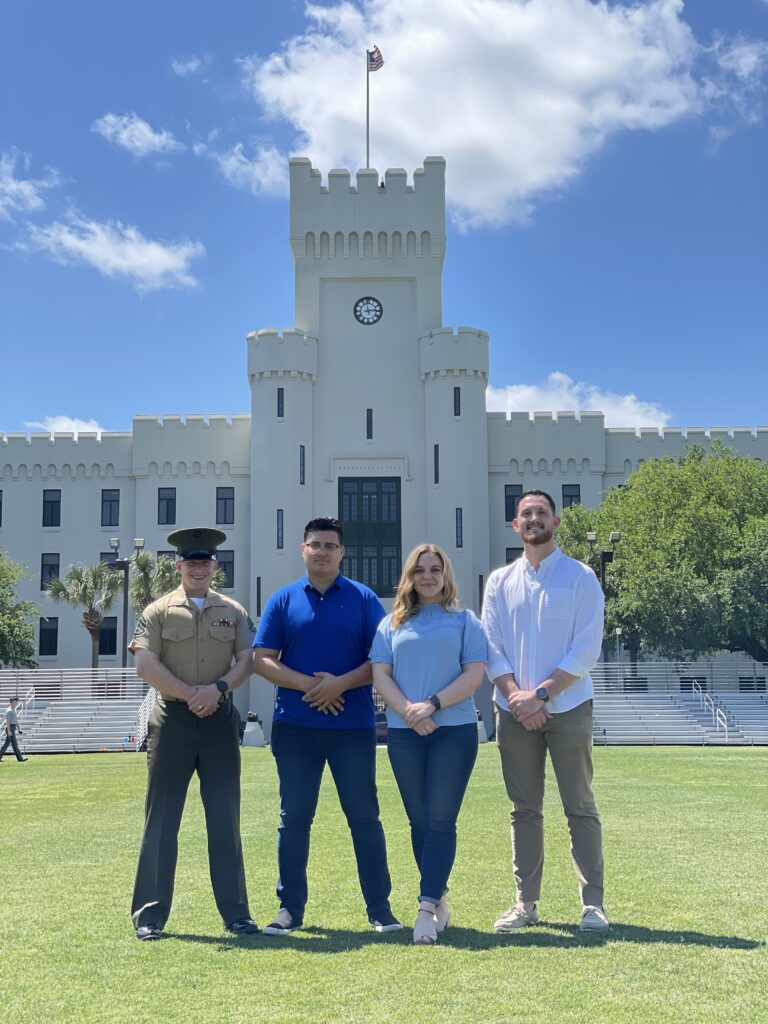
(535,538)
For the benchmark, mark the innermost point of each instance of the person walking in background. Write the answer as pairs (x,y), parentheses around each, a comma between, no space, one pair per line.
(428,659)
(12,730)
(312,644)
(543,616)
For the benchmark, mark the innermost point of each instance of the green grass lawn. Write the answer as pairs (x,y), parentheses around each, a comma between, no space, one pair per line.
(687,889)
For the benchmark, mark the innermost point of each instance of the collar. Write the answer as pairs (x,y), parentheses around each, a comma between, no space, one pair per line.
(179,598)
(306,583)
(546,564)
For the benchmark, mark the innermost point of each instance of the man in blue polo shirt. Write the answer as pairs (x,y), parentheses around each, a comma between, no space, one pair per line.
(312,644)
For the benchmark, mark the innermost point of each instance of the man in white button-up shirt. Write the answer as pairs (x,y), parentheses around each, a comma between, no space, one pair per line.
(543,616)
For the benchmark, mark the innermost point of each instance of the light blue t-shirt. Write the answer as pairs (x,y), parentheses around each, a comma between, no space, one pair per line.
(427,653)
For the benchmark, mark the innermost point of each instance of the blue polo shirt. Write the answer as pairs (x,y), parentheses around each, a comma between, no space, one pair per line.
(314,632)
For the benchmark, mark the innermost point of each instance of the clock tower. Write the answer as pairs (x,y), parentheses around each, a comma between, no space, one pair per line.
(369,409)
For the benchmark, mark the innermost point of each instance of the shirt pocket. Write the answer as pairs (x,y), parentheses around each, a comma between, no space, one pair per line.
(557,603)
(224,634)
(178,630)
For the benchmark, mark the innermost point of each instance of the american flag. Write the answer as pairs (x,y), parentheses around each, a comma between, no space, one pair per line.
(375,60)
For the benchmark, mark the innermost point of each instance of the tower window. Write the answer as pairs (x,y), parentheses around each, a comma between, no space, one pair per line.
(280,537)
(302,464)
(436,457)
(459,528)
(369,424)
(457,401)
(280,403)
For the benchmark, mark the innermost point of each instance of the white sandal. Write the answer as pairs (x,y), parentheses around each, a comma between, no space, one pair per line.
(443,914)
(425,931)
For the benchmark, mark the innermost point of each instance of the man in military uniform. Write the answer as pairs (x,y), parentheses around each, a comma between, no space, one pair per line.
(194,647)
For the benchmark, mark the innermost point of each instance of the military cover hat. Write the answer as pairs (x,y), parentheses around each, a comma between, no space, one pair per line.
(197,542)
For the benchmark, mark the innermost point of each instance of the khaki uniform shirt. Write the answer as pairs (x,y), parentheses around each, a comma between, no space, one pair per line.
(196,646)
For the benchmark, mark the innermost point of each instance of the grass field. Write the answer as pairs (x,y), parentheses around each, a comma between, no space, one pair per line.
(687,859)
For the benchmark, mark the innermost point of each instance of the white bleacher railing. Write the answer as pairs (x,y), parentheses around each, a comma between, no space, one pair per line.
(685,676)
(24,702)
(721,721)
(72,683)
(142,719)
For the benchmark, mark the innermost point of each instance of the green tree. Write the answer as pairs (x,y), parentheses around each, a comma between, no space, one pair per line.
(151,577)
(17,634)
(94,588)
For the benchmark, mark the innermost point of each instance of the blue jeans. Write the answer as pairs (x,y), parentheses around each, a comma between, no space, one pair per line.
(432,773)
(301,755)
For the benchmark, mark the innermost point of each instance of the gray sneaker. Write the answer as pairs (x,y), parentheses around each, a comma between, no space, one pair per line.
(593,919)
(283,924)
(514,918)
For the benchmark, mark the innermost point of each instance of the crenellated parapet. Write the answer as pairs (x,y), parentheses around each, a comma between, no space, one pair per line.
(372,218)
(191,446)
(627,447)
(444,351)
(289,353)
(519,442)
(64,456)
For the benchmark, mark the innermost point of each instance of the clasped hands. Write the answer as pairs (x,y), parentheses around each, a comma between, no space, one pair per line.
(203,700)
(326,694)
(527,709)
(419,717)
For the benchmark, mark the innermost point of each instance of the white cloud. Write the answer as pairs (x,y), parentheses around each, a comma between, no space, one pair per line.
(116,250)
(65,425)
(559,392)
(22,195)
(192,65)
(134,134)
(517,95)
(264,173)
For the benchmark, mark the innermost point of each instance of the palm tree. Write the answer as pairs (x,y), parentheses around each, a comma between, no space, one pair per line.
(94,588)
(152,577)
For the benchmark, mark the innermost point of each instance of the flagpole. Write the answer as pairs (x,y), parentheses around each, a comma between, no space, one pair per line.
(367,111)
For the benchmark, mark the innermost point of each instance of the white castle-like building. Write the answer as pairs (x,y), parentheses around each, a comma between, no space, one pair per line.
(369,408)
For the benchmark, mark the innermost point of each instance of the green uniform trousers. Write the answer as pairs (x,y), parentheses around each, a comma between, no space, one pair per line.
(568,738)
(179,744)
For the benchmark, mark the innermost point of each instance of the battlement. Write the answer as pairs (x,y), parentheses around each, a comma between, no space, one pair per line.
(445,351)
(342,219)
(290,353)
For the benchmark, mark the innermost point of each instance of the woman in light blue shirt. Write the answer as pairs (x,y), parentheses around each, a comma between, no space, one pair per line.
(428,658)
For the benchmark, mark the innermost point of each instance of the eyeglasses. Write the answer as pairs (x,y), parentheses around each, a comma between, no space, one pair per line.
(315,545)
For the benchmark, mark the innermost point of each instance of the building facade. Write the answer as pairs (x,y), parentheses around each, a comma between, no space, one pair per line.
(369,408)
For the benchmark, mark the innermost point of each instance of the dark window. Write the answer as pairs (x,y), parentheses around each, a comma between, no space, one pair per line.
(225,504)
(370,511)
(226,560)
(369,424)
(108,556)
(110,508)
(258,596)
(167,554)
(436,459)
(166,506)
(571,495)
(302,464)
(459,528)
(457,401)
(280,403)
(512,494)
(108,635)
(1,508)
(513,554)
(49,636)
(280,537)
(51,508)
(49,567)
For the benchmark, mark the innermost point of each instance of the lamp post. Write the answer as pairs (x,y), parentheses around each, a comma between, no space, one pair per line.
(123,565)
(606,557)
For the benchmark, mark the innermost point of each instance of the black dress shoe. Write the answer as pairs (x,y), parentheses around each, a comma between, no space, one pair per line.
(149,932)
(243,926)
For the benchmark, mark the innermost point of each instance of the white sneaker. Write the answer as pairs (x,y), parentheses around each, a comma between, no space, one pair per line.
(593,919)
(514,918)
(283,924)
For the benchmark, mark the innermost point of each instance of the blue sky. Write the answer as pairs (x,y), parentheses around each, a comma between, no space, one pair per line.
(607,169)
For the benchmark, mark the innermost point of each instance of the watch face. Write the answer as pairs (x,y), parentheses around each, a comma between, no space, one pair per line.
(368,310)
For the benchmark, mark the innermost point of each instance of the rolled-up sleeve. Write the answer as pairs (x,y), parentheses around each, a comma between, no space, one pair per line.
(584,651)
(499,660)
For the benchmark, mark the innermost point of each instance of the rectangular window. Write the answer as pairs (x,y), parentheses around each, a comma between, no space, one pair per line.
(167,554)
(457,401)
(166,506)
(280,403)
(459,528)
(108,635)
(513,554)
(51,508)
(302,464)
(512,494)
(1,508)
(226,560)
(49,567)
(258,597)
(49,637)
(436,463)
(369,424)
(108,556)
(110,508)
(225,504)
(571,495)
(370,511)
(280,528)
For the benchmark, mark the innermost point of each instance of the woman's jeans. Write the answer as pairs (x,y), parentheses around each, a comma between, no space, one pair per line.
(432,773)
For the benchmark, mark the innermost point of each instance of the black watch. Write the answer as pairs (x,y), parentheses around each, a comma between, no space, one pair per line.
(434,700)
(222,686)
(542,693)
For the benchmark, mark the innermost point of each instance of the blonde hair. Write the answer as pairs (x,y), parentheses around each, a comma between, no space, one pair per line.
(406,598)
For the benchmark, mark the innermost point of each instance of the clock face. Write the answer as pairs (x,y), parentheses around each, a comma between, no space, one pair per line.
(368,310)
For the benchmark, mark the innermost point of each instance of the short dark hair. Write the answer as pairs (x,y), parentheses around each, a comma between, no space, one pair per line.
(14,698)
(538,494)
(321,523)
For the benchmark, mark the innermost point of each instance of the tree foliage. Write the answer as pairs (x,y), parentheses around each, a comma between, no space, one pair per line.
(690,574)
(94,588)
(152,577)
(17,634)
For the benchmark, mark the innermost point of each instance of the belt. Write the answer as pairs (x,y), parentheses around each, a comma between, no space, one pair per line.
(178,700)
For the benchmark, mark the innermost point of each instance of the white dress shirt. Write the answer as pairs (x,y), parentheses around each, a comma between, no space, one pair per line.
(537,622)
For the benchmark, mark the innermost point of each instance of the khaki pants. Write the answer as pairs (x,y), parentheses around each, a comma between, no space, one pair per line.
(568,738)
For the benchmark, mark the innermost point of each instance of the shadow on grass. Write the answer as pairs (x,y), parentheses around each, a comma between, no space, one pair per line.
(551,935)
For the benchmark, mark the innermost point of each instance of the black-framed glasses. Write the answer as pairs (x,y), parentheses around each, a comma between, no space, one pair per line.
(315,545)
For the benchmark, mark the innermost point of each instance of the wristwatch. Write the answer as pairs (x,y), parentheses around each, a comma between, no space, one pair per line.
(542,693)
(434,700)
(222,686)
